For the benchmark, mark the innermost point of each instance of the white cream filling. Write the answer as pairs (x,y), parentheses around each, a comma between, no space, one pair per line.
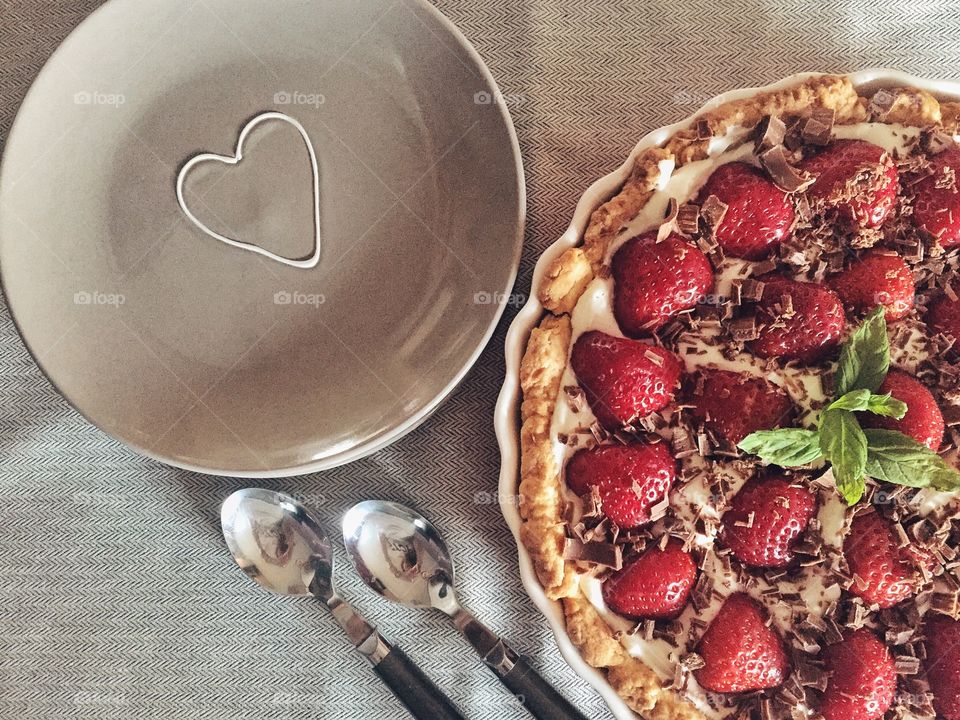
(594,312)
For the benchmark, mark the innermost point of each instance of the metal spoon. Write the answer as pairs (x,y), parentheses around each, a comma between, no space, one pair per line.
(400,555)
(278,543)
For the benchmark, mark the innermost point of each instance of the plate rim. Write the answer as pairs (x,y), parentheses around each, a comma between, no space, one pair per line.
(378,441)
(506,412)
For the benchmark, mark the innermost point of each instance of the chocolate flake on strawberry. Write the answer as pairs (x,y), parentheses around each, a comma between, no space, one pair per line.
(766,519)
(758,214)
(620,380)
(884,572)
(877,277)
(798,321)
(733,405)
(631,479)
(936,208)
(856,177)
(654,280)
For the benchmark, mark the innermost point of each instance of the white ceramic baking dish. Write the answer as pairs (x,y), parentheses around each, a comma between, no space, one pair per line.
(506,416)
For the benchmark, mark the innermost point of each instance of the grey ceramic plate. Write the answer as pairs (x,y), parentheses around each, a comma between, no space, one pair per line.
(213,358)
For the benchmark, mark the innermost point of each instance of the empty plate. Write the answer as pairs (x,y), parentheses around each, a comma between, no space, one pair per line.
(349,231)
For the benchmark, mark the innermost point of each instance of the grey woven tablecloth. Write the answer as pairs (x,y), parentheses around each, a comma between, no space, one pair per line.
(117,599)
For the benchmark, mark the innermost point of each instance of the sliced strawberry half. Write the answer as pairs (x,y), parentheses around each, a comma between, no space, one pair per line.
(741,653)
(943,316)
(631,478)
(878,277)
(653,281)
(884,573)
(936,207)
(656,585)
(863,679)
(856,177)
(943,664)
(766,519)
(759,214)
(733,405)
(923,421)
(797,320)
(623,379)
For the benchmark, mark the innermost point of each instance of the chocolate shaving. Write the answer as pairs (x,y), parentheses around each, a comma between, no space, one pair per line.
(752,289)
(946,602)
(906,665)
(818,128)
(770,132)
(713,212)
(763,267)
(784,175)
(654,358)
(744,329)
(669,223)
(596,553)
(688,219)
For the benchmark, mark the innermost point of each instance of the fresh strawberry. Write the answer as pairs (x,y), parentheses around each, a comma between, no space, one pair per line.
(943,316)
(765,520)
(863,679)
(857,177)
(655,585)
(759,214)
(733,404)
(653,281)
(943,664)
(740,651)
(630,478)
(623,379)
(923,421)
(797,320)
(884,573)
(878,277)
(936,208)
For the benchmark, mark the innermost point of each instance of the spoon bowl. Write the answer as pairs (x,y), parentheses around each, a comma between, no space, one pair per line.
(277,543)
(400,555)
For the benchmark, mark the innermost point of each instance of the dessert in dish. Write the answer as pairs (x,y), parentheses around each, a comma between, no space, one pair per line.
(740,414)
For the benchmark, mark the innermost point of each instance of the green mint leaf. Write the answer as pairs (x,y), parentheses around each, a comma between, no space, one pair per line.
(853,400)
(788,447)
(865,356)
(887,405)
(899,459)
(860,400)
(845,446)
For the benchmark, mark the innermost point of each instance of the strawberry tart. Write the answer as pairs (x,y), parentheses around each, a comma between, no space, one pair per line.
(741,415)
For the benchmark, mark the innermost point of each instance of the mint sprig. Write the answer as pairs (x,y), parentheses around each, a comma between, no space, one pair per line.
(788,447)
(845,447)
(865,356)
(859,400)
(855,453)
(899,459)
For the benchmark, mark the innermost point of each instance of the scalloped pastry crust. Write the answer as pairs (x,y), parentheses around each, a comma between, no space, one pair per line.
(542,501)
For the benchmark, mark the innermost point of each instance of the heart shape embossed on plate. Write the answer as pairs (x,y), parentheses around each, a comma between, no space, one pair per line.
(235,159)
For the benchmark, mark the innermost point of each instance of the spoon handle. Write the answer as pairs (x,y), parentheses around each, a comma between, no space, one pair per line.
(538,696)
(416,691)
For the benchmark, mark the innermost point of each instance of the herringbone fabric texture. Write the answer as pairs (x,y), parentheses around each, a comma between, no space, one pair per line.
(117,599)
